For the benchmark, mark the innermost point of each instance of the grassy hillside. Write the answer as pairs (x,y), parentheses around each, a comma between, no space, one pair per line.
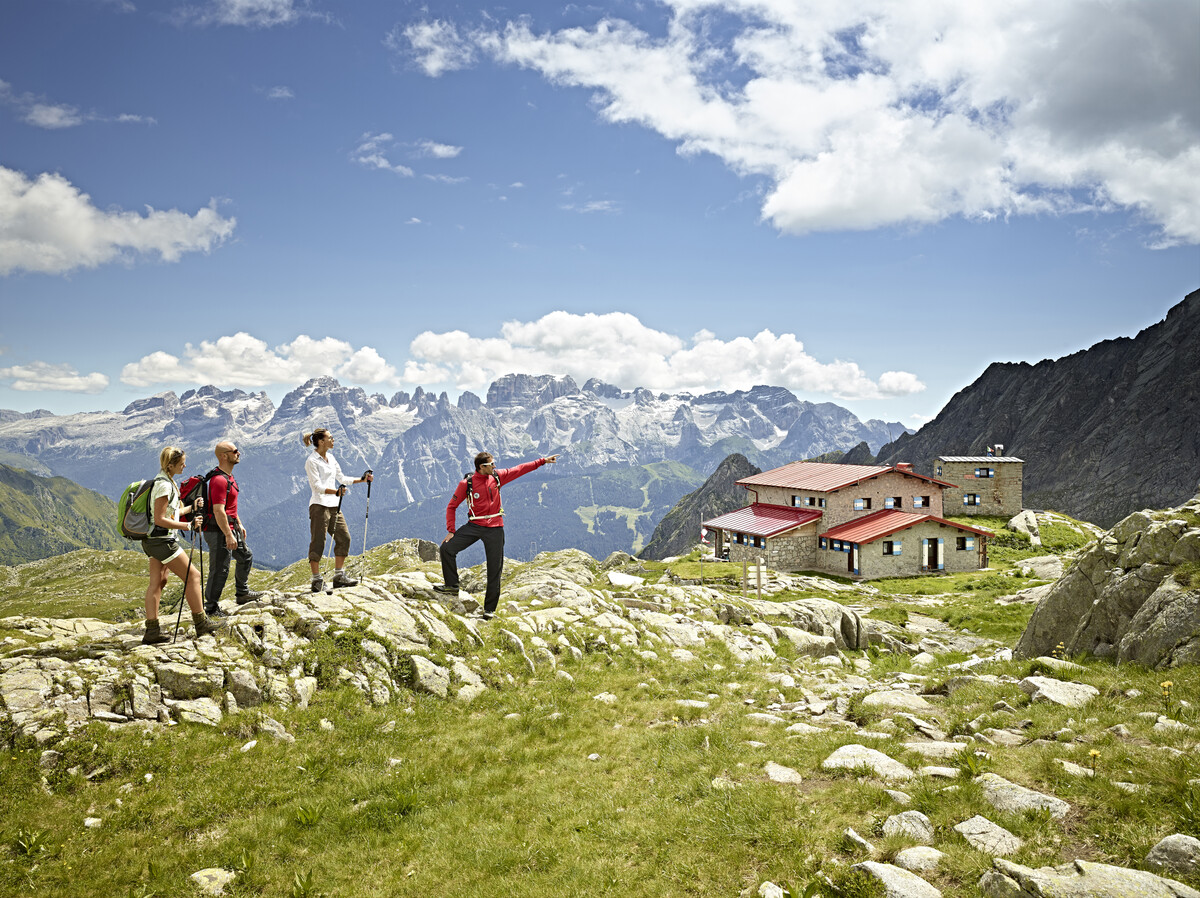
(45,516)
(539,788)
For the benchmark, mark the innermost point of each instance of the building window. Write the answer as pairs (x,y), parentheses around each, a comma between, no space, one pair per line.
(823,542)
(971,499)
(893,502)
(821,503)
(920,501)
(797,501)
(938,472)
(758,542)
(862,504)
(836,545)
(887,547)
(984,473)
(740,539)
(964,543)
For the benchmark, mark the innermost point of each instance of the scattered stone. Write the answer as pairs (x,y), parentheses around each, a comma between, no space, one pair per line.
(92,822)
(855,756)
(895,700)
(1081,879)
(1007,796)
(898,882)
(275,729)
(910,824)
(919,859)
(1176,854)
(777,773)
(607,697)
(854,839)
(990,838)
(1058,692)
(213,880)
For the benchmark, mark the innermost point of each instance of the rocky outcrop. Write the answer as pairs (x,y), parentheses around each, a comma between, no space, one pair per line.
(1131,596)
(388,637)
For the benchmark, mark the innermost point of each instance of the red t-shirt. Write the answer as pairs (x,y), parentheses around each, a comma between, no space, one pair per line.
(223,490)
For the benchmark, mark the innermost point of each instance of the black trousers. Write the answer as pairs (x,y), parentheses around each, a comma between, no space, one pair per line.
(218,568)
(493,548)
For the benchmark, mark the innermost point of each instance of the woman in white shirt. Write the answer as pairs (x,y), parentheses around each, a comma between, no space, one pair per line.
(166,554)
(328,485)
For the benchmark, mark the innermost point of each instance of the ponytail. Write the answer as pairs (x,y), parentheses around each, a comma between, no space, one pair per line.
(314,439)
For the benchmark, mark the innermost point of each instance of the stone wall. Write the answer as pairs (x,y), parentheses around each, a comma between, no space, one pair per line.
(1002,494)
(872,563)
(839,505)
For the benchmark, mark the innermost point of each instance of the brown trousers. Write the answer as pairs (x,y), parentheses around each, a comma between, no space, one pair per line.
(320,522)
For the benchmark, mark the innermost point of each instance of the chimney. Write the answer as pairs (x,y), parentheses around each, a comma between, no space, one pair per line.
(999,449)
(904,466)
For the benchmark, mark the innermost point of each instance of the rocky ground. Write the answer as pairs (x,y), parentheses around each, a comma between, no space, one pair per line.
(831,669)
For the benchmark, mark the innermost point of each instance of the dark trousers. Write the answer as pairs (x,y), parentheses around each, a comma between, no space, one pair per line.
(493,547)
(218,569)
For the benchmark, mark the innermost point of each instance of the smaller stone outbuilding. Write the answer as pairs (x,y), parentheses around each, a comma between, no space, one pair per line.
(991,484)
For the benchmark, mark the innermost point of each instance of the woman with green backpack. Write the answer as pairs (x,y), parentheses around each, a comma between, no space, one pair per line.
(165,553)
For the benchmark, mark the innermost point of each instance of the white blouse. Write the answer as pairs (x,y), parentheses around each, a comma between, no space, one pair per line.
(324,474)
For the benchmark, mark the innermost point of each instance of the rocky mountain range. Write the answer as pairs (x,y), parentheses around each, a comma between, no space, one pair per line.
(626,456)
(678,531)
(1103,432)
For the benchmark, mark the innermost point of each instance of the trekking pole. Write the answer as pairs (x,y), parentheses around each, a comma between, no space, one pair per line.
(332,526)
(183,594)
(366,519)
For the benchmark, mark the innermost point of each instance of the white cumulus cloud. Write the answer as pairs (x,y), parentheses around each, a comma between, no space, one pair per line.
(372,152)
(242,360)
(48,225)
(39,377)
(249,13)
(439,150)
(870,113)
(617,348)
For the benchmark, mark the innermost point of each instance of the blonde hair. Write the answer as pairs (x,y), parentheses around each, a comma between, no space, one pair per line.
(170,455)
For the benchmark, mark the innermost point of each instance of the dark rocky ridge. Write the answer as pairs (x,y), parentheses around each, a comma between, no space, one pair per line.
(679,530)
(1103,432)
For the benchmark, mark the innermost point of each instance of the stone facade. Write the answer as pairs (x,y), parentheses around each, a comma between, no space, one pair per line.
(839,505)
(795,550)
(999,494)
(961,551)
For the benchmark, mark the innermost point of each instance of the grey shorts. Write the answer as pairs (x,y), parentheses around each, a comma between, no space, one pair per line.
(161,548)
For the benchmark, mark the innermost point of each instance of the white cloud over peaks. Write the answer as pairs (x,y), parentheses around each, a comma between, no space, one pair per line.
(372,153)
(48,225)
(870,113)
(617,348)
(35,111)
(242,360)
(39,377)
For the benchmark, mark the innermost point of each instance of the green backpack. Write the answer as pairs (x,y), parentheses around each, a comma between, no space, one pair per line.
(134,517)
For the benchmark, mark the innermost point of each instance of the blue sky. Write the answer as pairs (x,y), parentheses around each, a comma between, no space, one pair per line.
(863,201)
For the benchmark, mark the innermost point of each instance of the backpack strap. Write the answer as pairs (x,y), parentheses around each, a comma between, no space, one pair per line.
(471,516)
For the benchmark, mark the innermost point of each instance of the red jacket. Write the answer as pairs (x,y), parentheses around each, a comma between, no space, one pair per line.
(485,507)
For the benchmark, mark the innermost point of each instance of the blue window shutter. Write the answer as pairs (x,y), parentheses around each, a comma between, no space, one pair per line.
(970,542)
(966,500)
(889,502)
(941,549)
(978,500)
(976,472)
(896,547)
(858,504)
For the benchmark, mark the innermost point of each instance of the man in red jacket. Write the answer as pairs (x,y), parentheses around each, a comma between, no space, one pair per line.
(485,521)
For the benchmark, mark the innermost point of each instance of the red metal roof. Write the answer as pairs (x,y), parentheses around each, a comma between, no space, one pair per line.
(878,524)
(763,520)
(826,477)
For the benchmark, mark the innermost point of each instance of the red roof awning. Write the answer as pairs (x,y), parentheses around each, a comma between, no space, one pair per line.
(873,526)
(763,520)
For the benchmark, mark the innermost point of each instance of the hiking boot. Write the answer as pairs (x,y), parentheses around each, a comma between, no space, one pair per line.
(340,579)
(205,624)
(318,584)
(154,635)
(246,597)
(217,612)
(447,590)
